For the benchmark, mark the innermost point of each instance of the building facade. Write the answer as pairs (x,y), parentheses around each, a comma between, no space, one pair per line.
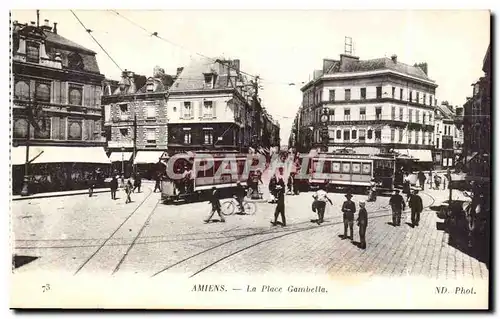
(372,106)
(448,135)
(477,127)
(56,110)
(212,106)
(136,120)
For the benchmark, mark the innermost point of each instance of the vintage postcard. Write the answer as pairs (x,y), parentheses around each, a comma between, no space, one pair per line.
(250,159)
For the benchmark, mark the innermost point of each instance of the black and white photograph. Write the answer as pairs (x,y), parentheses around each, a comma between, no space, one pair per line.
(250,159)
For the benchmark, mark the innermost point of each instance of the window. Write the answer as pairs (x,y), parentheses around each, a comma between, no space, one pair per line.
(187,111)
(331,115)
(347,135)
(401,94)
(393,134)
(124,132)
(437,143)
(187,136)
(411,96)
(208,109)
(378,135)
(430,100)
(362,135)
(22,90)
(437,128)
(151,135)
(424,98)
(400,136)
(150,87)
(363,93)
(33,52)
(208,136)
(347,114)
(410,136)
(150,111)
(354,134)
(379,92)
(75,94)
(362,113)
(418,98)
(331,95)
(410,115)
(369,135)
(208,78)
(393,92)
(393,113)
(417,113)
(417,137)
(339,134)
(401,113)
(425,138)
(424,117)
(123,107)
(347,94)
(378,113)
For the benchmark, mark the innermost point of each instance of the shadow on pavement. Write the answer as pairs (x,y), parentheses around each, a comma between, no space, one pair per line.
(19,260)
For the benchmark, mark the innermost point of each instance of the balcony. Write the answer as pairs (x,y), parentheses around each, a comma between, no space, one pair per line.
(120,144)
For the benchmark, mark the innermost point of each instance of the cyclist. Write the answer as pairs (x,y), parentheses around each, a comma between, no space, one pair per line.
(240,196)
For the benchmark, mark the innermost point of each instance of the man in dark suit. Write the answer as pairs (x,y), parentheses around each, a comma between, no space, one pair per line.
(416,206)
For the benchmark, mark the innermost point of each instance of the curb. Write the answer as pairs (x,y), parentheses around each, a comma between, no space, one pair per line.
(62,194)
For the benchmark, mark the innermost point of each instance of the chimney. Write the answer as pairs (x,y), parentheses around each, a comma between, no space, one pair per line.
(33,23)
(394,58)
(55,28)
(423,66)
(46,26)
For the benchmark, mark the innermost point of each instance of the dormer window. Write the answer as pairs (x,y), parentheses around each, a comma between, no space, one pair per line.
(75,61)
(209,79)
(33,52)
(150,87)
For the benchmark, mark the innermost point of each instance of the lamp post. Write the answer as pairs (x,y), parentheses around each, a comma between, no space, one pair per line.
(123,162)
(324,129)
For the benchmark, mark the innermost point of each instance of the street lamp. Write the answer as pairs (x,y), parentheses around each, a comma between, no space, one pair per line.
(123,162)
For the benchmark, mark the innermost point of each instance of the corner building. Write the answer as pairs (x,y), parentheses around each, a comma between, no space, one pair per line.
(374,106)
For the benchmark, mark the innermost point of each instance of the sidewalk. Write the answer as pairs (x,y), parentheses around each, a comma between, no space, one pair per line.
(59,194)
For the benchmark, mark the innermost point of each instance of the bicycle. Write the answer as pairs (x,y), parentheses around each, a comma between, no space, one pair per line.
(230,207)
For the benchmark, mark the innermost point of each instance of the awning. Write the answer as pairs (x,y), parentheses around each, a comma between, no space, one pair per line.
(117,156)
(148,157)
(420,155)
(59,154)
(18,154)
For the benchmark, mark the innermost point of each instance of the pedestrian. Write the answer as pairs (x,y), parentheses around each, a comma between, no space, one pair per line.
(240,196)
(289,184)
(416,206)
(272,188)
(91,184)
(321,198)
(128,191)
(407,185)
(280,207)
(349,209)
(157,183)
(113,185)
(216,207)
(137,183)
(430,179)
(437,180)
(397,204)
(421,179)
(362,224)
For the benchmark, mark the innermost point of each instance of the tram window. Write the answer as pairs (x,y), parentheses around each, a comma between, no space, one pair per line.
(346,167)
(356,167)
(335,167)
(241,167)
(327,167)
(367,168)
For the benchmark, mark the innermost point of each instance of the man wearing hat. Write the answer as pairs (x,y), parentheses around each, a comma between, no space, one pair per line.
(397,204)
(240,196)
(416,206)
(280,207)
(348,208)
(362,223)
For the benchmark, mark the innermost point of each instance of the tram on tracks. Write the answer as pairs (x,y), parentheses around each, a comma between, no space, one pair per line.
(353,171)
(197,173)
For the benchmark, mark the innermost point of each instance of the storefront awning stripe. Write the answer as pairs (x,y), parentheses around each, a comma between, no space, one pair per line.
(63,154)
(148,157)
(117,156)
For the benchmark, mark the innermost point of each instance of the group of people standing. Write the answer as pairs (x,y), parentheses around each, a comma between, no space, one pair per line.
(128,186)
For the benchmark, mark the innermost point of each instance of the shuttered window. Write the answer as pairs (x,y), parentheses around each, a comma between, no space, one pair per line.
(151,111)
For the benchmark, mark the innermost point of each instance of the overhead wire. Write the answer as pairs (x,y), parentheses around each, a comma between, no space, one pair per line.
(89,31)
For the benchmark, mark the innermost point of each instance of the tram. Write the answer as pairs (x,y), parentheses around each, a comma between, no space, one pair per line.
(349,171)
(197,173)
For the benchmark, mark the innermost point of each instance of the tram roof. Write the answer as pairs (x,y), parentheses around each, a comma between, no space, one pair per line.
(353,156)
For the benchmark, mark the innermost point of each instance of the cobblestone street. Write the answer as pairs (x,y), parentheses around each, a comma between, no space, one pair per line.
(79,234)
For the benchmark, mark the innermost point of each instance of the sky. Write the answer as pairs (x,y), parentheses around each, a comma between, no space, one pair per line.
(283,46)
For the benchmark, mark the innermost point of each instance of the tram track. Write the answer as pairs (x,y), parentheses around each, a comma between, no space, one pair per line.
(103,244)
(287,232)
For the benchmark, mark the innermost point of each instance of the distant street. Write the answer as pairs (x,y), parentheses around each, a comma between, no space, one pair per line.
(78,234)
